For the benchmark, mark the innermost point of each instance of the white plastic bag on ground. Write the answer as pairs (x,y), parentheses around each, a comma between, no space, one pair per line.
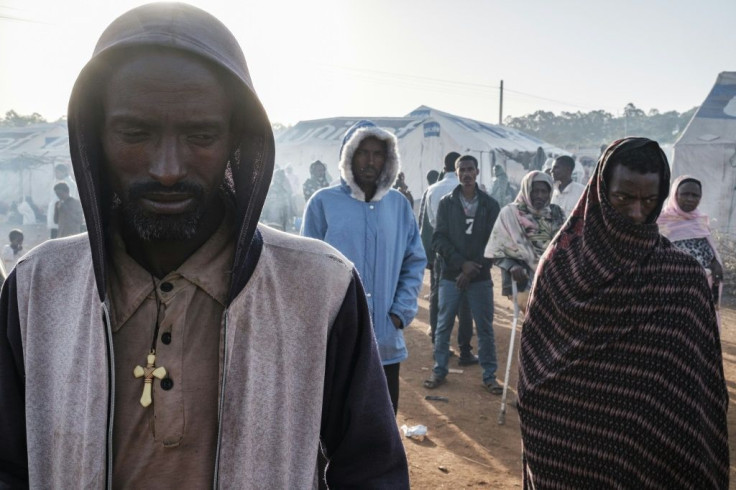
(416,432)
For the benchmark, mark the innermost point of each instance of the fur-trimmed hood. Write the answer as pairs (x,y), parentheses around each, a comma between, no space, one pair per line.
(357,133)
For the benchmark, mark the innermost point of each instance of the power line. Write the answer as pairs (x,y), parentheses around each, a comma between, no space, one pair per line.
(548,99)
(474,92)
(21,19)
(413,77)
(440,85)
(17,18)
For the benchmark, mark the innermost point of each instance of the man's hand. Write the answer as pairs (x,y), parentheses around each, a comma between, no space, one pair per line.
(471,269)
(518,273)
(462,281)
(395,320)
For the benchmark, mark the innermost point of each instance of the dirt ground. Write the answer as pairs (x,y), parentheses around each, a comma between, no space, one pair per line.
(465,446)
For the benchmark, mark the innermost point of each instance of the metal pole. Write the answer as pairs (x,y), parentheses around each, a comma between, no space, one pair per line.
(502,413)
(480,169)
(422,177)
(500,107)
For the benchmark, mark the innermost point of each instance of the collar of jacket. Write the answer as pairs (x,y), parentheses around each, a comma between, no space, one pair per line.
(482,196)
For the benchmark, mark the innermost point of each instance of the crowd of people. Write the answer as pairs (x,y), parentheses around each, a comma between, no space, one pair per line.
(617,316)
(180,343)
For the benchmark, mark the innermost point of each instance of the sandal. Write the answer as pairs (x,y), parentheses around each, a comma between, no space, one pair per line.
(493,387)
(433,382)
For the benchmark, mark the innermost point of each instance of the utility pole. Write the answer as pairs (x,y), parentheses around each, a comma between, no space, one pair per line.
(500,107)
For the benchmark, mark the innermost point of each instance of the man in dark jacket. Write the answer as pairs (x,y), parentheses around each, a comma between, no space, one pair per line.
(177,344)
(445,184)
(465,219)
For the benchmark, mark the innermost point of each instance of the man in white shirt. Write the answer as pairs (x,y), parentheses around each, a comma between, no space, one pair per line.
(12,251)
(566,192)
(445,185)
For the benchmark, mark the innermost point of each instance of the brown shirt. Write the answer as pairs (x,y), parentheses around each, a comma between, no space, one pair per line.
(172,442)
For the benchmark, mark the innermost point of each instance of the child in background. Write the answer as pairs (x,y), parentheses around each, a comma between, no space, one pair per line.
(13,251)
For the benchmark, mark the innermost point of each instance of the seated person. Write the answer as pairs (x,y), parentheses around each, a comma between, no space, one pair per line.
(13,250)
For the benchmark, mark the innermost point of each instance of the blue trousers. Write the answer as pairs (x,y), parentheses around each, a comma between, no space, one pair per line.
(464,317)
(480,298)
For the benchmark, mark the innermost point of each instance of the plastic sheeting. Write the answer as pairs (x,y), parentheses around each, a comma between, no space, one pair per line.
(425,136)
(707,151)
(27,158)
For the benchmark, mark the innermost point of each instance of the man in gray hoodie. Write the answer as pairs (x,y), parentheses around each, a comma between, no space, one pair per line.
(177,344)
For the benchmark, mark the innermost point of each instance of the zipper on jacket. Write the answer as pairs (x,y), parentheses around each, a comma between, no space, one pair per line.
(111,393)
(221,408)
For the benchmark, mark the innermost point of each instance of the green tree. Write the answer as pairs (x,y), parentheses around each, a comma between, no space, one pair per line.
(594,128)
(14,119)
(633,112)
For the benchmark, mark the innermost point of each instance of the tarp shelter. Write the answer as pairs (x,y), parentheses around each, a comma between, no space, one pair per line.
(707,151)
(425,136)
(27,158)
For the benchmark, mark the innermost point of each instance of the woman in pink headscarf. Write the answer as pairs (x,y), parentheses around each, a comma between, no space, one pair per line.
(688,229)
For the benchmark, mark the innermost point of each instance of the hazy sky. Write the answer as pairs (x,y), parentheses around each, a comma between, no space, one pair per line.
(324,58)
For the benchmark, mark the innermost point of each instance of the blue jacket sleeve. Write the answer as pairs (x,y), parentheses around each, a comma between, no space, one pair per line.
(13,450)
(412,272)
(314,223)
(361,446)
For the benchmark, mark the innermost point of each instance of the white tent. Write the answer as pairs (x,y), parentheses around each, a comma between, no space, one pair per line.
(27,158)
(425,136)
(707,151)
(28,154)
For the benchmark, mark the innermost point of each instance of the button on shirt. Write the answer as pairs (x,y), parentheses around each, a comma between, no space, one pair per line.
(567,198)
(172,442)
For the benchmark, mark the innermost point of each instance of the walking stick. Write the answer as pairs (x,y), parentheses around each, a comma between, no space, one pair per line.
(514,292)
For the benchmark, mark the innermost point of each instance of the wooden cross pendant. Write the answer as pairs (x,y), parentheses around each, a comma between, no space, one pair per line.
(147,373)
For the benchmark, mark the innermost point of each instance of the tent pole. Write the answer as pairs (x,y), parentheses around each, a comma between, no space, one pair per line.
(422,177)
(729,231)
(500,107)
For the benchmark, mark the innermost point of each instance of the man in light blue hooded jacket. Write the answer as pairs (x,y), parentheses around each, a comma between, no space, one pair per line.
(373,225)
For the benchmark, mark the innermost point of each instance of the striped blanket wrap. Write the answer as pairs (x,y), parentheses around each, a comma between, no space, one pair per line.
(621,379)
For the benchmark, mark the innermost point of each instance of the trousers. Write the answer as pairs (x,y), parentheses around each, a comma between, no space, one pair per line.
(480,298)
(464,316)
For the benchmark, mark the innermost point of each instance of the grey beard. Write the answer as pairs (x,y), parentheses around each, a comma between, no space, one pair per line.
(157,227)
(153,227)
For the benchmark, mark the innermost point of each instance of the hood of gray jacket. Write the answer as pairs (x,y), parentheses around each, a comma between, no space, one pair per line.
(186,28)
